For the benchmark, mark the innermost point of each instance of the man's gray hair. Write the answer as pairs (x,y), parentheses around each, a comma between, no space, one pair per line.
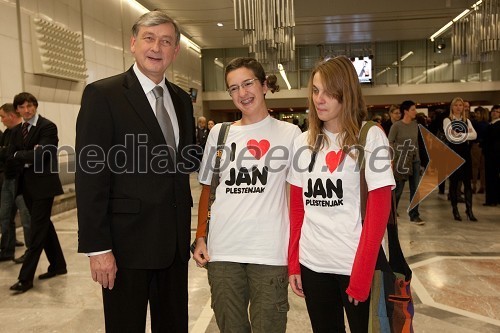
(153,18)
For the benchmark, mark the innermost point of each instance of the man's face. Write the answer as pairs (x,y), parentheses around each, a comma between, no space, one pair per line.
(154,49)
(27,110)
(5,118)
(495,114)
(412,112)
(202,123)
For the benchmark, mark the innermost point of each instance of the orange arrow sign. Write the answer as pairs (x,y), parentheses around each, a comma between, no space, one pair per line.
(442,163)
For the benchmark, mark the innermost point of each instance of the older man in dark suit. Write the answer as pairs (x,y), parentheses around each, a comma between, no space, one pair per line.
(132,184)
(33,145)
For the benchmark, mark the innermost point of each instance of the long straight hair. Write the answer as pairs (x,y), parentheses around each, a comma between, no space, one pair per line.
(340,81)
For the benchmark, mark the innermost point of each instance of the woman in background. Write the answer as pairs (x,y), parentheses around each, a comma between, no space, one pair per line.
(459,132)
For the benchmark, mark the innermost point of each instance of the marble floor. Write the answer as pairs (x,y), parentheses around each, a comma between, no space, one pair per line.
(456,279)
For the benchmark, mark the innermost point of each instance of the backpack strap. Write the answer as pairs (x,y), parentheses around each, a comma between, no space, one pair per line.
(363,186)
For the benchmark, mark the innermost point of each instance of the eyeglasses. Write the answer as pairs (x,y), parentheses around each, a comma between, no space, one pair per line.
(245,85)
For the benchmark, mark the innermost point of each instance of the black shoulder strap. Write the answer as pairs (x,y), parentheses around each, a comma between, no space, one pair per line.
(221,142)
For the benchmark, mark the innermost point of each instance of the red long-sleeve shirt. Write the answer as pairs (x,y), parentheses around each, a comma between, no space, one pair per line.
(377,213)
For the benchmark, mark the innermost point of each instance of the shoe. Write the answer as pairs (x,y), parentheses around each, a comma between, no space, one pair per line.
(456,215)
(417,220)
(6,258)
(481,190)
(470,216)
(19,260)
(49,275)
(19,243)
(489,204)
(22,286)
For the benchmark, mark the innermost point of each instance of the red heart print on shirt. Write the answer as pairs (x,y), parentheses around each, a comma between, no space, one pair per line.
(258,148)
(333,159)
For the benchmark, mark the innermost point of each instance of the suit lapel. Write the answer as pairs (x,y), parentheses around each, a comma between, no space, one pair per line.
(135,95)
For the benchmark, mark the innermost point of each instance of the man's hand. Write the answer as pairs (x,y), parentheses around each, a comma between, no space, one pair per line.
(200,254)
(103,269)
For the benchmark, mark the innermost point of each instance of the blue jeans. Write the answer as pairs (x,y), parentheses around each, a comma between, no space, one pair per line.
(8,207)
(413,180)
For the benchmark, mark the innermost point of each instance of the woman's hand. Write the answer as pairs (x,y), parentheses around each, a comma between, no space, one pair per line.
(200,254)
(356,302)
(296,284)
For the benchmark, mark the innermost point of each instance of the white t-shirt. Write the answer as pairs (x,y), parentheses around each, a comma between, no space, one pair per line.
(249,218)
(331,195)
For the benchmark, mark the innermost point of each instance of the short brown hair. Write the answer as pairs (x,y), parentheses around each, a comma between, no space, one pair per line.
(9,108)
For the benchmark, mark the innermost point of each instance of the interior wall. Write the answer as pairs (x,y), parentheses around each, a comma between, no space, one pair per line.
(106,28)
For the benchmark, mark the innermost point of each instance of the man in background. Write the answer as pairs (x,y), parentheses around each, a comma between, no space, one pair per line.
(34,145)
(403,137)
(10,201)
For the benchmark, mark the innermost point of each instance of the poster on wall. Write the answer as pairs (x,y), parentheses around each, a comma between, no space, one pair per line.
(363,67)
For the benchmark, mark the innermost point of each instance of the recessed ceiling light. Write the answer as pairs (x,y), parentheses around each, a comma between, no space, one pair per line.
(220,24)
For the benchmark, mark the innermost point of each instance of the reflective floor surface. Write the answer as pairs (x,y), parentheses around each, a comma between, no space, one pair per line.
(456,278)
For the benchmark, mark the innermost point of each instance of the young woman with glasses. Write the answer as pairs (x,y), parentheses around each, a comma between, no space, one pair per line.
(246,255)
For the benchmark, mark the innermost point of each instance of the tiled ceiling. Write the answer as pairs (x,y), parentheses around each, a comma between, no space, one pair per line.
(319,21)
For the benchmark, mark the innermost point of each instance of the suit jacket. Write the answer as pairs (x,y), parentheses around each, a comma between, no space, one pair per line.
(126,201)
(39,166)
(491,143)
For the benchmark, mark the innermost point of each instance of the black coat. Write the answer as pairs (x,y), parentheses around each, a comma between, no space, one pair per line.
(39,166)
(139,211)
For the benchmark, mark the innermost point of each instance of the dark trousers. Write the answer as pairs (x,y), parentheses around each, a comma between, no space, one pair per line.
(125,306)
(414,180)
(455,179)
(43,237)
(492,191)
(326,299)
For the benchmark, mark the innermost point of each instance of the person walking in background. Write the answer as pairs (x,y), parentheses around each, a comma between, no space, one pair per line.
(491,151)
(403,137)
(394,115)
(248,238)
(135,225)
(459,131)
(10,200)
(33,145)
(338,278)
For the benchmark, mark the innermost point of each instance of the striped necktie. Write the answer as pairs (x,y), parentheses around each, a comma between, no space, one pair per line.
(164,118)
(24,131)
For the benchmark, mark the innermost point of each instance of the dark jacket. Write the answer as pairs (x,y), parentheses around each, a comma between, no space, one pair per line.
(126,201)
(39,166)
